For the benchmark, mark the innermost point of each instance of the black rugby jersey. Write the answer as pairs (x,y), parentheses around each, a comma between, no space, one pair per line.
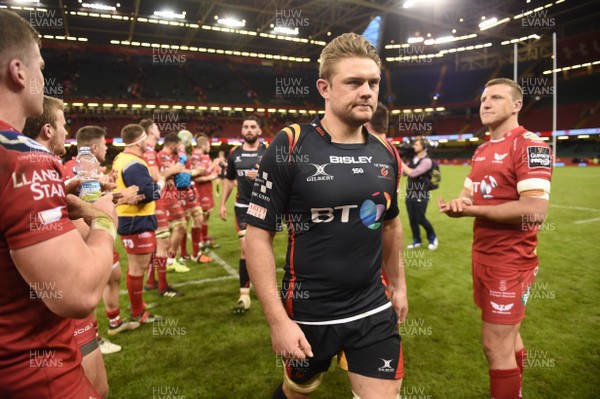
(238,163)
(333,198)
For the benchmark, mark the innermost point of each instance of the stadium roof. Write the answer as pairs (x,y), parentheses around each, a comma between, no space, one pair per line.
(316,21)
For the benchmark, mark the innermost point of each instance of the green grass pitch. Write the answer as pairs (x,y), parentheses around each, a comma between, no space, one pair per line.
(202,350)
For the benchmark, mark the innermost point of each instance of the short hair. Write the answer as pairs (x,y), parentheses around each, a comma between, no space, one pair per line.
(380,119)
(87,135)
(253,118)
(201,139)
(345,46)
(131,133)
(517,91)
(33,126)
(146,124)
(16,36)
(171,138)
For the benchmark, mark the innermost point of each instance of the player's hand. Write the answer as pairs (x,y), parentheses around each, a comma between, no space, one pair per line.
(78,208)
(223,212)
(128,196)
(289,341)
(455,208)
(399,303)
(175,168)
(72,185)
(251,174)
(106,182)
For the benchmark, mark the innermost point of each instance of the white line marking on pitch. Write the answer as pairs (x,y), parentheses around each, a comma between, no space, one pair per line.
(587,221)
(194,282)
(230,270)
(576,208)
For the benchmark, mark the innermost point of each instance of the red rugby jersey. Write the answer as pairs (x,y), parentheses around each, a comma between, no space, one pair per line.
(502,169)
(38,354)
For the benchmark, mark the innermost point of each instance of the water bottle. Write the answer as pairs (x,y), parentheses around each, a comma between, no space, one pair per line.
(86,167)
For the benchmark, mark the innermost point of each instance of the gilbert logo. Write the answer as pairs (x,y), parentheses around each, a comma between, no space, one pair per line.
(387,367)
(320,173)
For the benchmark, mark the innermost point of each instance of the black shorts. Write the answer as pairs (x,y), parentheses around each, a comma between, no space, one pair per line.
(240,218)
(372,346)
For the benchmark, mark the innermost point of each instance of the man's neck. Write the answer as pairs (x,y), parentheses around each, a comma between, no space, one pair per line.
(497,132)
(13,116)
(250,147)
(133,151)
(341,132)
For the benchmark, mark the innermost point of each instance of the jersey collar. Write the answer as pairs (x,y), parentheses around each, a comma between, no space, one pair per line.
(5,126)
(511,133)
(316,124)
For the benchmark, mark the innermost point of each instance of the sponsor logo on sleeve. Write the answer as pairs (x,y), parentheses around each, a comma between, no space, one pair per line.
(257,211)
(539,157)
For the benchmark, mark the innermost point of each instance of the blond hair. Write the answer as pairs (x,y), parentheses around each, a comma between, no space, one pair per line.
(517,91)
(33,126)
(345,46)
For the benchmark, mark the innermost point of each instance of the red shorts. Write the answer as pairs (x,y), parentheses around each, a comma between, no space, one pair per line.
(205,195)
(502,294)
(85,335)
(189,201)
(116,258)
(139,244)
(161,216)
(173,208)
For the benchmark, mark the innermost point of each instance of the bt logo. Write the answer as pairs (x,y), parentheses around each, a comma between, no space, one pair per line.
(370,212)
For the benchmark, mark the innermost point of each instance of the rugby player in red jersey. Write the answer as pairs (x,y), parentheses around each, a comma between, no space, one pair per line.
(168,161)
(43,286)
(334,185)
(200,159)
(507,193)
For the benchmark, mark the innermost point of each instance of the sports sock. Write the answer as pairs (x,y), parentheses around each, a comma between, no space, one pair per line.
(196,240)
(161,266)
(205,231)
(521,356)
(244,277)
(134,288)
(183,246)
(505,384)
(150,278)
(114,317)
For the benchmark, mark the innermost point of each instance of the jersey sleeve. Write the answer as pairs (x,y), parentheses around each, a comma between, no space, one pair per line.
(135,173)
(230,175)
(532,160)
(33,206)
(270,194)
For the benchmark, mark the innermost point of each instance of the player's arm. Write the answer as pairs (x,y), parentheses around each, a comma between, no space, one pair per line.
(137,174)
(394,266)
(227,189)
(530,208)
(286,337)
(230,176)
(454,208)
(73,268)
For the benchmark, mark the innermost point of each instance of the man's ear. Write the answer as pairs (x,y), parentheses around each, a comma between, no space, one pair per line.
(16,73)
(323,86)
(46,132)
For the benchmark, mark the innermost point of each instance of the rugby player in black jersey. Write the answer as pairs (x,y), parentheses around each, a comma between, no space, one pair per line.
(334,186)
(242,165)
